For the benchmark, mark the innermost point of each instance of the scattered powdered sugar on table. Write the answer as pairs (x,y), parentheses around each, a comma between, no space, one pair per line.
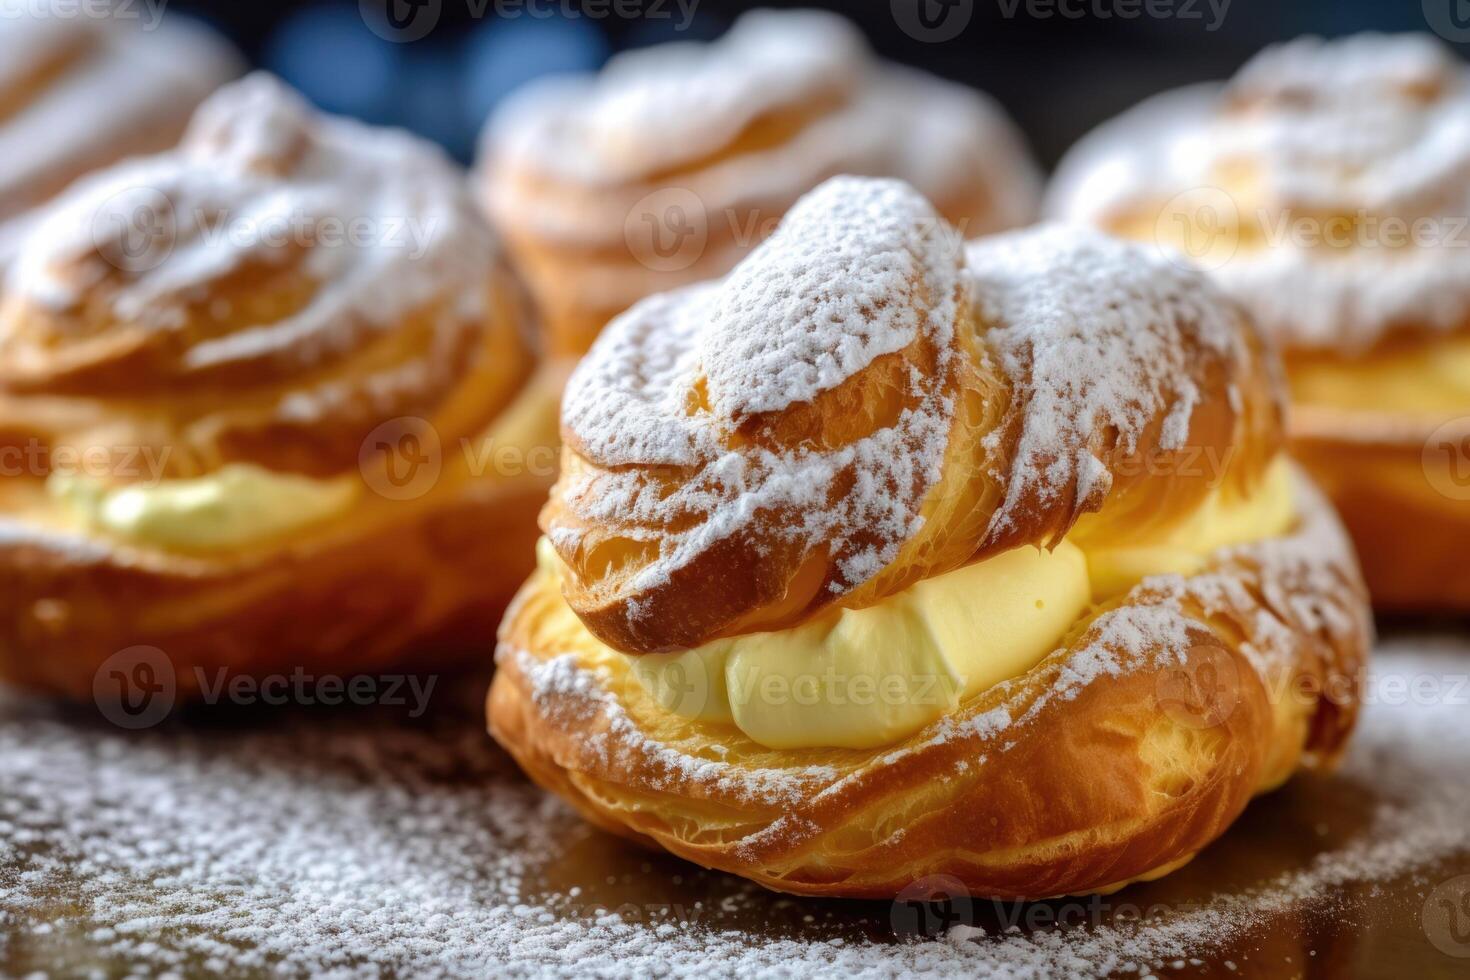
(338,844)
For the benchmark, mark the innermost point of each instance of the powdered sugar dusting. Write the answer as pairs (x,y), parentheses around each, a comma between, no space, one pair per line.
(570,157)
(656,108)
(378,221)
(856,271)
(329,845)
(120,90)
(1347,70)
(859,269)
(1367,138)
(115,79)
(1096,335)
(560,676)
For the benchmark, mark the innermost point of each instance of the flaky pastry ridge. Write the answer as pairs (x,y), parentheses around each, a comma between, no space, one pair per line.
(78,93)
(670,164)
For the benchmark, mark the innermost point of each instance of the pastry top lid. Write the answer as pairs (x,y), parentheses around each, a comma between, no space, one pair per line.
(858,405)
(780,103)
(271,289)
(1372,122)
(1335,176)
(857,269)
(655,109)
(377,221)
(79,91)
(1094,334)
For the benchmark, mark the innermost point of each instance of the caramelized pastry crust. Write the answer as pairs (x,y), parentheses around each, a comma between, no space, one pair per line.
(78,93)
(1327,187)
(258,401)
(864,406)
(848,413)
(669,165)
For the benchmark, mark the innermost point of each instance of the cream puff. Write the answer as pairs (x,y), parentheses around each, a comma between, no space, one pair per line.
(78,93)
(888,556)
(1327,186)
(269,400)
(670,164)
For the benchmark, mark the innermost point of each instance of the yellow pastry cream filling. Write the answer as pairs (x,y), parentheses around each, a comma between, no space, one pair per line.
(864,678)
(1417,376)
(243,504)
(1428,377)
(236,505)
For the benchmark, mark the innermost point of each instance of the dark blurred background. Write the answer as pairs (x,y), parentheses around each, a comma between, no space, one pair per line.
(1059,66)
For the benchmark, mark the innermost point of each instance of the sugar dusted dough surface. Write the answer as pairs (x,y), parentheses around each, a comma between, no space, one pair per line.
(1372,130)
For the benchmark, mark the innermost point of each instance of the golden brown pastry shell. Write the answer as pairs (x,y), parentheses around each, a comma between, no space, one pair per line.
(266,353)
(1040,786)
(1407,511)
(404,584)
(570,324)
